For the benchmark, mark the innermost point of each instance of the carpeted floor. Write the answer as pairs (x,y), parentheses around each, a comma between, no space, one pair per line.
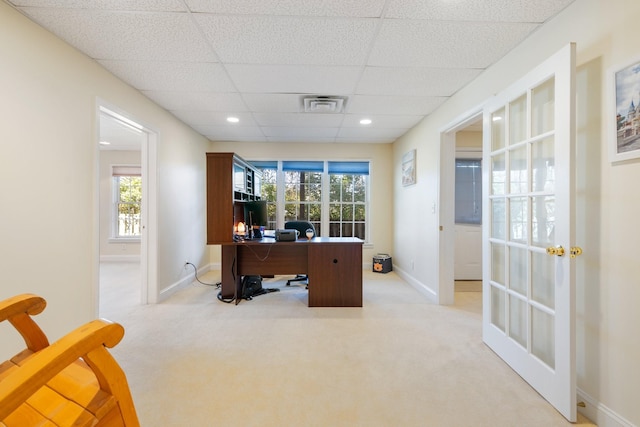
(397,361)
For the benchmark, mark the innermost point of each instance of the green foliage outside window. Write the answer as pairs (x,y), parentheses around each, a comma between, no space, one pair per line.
(128,205)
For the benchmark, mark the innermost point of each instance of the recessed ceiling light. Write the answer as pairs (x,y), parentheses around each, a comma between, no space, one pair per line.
(233,119)
(365,121)
(105,143)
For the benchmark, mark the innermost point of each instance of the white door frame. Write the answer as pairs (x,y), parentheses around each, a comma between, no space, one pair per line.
(149,235)
(446,201)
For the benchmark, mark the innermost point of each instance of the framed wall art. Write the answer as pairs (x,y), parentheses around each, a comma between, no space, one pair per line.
(409,168)
(625,120)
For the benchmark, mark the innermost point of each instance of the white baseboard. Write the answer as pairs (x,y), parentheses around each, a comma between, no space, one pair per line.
(184,282)
(120,258)
(600,414)
(420,287)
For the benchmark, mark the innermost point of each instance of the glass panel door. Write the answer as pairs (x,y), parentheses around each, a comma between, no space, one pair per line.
(528,314)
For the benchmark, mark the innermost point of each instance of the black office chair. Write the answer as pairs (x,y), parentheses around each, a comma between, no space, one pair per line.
(302,227)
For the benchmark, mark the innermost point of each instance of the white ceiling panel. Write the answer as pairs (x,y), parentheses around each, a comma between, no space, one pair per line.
(414,81)
(146,5)
(349,8)
(273,103)
(294,78)
(393,105)
(300,132)
(211,118)
(226,133)
(381,121)
(298,119)
(172,76)
(197,101)
(486,10)
(393,61)
(437,44)
(288,40)
(371,132)
(127,35)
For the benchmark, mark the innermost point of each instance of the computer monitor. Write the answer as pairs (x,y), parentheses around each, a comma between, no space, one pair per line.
(255,216)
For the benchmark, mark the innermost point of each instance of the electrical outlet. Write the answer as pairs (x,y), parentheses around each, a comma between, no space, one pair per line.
(186,264)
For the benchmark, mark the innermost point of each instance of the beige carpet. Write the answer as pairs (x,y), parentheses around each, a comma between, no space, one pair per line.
(273,361)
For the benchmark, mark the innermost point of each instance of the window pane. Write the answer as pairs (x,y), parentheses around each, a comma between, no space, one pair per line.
(468,191)
(127,206)
(498,174)
(542,106)
(518,120)
(497,130)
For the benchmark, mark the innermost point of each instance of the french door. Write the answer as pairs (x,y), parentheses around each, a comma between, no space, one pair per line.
(528,280)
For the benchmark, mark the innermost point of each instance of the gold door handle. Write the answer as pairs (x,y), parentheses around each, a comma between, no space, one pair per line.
(575,251)
(555,250)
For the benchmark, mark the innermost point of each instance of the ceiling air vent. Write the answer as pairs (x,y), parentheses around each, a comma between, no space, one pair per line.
(323,104)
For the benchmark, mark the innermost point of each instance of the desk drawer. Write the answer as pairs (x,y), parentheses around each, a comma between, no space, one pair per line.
(272,259)
(335,275)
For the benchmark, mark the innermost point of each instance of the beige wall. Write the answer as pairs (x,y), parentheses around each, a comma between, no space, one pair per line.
(607,200)
(110,250)
(381,163)
(49,240)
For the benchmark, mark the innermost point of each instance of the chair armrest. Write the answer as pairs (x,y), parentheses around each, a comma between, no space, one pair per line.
(18,311)
(88,340)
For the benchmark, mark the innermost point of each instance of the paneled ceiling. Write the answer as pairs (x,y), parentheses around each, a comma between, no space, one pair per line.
(390,61)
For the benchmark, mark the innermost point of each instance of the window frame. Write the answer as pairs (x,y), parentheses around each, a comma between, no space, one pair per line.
(325,184)
(118,172)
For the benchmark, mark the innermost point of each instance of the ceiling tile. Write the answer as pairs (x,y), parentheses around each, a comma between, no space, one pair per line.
(350,8)
(408,43)
(287,40)
(393,105)
(198,101)
(210,118)
(473,10)
(273,103)
(127,35)
(300,132)
(221,133)
(294,78)
(378,133)
(298,119)
(146,5)
(381,121)
(171,76)
(396,61)
(414,81)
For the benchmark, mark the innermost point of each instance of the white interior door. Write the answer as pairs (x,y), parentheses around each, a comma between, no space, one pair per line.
(528,287)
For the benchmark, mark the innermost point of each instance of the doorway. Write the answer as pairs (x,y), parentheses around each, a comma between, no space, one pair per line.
(463,139)
(126,212)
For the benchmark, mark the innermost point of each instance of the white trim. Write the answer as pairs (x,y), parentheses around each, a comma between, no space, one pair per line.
(185,281)
(149,228)
(446,213)
(419,286)
(120,258)
(600,414)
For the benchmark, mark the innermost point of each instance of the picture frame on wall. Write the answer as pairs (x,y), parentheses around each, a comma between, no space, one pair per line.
(625,119)
(409,168)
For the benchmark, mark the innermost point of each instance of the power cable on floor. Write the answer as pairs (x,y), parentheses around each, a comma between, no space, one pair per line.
(217,285)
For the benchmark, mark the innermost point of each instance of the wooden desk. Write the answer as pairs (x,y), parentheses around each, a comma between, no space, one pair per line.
(333,265)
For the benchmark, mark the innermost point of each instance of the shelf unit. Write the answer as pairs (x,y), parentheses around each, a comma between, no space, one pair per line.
(230,179)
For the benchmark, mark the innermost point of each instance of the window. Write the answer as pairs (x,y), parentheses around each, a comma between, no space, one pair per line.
(348,199)
(127,184)
(468,191)
(269,190)
(333,196)
(303,192)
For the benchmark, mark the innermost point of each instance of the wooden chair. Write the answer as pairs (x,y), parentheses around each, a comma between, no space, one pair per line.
(73,382)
